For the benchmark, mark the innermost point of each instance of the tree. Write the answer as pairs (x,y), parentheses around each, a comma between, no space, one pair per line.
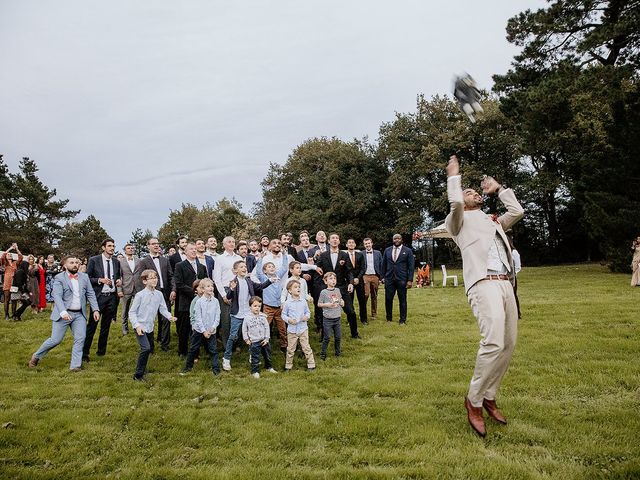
(224,218)
(331,185)
(30,214)
(139,240)
(82,239)
(573,90)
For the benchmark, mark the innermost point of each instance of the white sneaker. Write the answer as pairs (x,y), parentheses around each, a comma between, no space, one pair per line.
(272,370)
(255,375)
(226,364)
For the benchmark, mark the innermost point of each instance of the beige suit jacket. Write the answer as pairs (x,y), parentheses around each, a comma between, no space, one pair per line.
(474,231)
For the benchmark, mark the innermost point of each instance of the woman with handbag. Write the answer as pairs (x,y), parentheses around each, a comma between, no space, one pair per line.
(10,266)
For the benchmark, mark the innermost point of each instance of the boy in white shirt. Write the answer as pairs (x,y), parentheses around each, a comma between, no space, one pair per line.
(146,305)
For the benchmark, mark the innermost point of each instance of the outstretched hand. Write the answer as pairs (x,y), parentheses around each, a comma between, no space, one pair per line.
(453,167)
(489,185)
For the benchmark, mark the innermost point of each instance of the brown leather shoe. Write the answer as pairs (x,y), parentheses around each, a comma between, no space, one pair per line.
(33,362)
(492,409)
(476,420)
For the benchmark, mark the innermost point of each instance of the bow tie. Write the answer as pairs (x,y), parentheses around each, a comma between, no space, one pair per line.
(73,275)
(153,258)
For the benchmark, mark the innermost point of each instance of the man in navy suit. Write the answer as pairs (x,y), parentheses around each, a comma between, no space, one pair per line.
(105,277)
(398,264)
(71,291)
(372,276)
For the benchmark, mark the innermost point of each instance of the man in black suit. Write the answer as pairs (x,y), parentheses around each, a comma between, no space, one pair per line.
(155,261)
(249,260)
(285,242)
(176,258)
(398,264)
(184,275)
(336,261)
(357,262)
(104,273)
(306,253)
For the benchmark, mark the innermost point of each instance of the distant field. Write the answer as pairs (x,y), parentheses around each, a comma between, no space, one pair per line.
(391,407)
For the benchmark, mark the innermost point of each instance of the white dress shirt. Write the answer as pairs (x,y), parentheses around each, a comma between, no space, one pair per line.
(371,269)
(156,262)
(223,270)
(106,288)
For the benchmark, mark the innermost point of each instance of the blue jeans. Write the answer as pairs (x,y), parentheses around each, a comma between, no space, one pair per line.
(196,339)
(146,348)
(236,325)
(330,325)
(255,350)
(78,326)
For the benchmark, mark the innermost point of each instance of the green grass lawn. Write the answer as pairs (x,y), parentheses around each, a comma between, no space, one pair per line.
(390,407)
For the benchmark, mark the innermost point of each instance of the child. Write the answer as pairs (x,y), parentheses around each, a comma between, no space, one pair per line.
(239,291)
(272,294)
(142,313)
(255,331)
(295,270)
(192,309)
(205,320)
(296,313)
(330,301)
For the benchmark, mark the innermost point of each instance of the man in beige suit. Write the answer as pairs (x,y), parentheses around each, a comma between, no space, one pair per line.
(487,268)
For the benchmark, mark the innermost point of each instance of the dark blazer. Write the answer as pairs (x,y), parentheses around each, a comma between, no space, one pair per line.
(377,262)
(343,270)
(251,262)
(402,269)
(209,264)
(254,288)
(358,270)
(183,277)
(166,273)
(174,260)
(95,270)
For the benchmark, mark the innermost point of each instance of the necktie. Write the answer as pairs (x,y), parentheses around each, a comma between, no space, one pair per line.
(109,269)
(395,253)
(353,258)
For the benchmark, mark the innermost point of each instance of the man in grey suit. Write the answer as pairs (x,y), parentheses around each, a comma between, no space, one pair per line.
(71,292)
(487,268)
(127,266)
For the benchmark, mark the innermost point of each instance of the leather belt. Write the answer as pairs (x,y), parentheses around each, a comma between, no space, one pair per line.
(500,276)
(73,311)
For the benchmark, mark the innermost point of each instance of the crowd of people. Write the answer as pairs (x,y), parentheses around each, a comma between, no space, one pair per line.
(248,293)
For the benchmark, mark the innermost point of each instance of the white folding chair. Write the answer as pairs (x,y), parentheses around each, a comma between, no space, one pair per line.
(445,276)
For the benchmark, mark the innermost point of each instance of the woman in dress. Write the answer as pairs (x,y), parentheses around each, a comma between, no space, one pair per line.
(10,266)
(42,303)
(635,263)
(34,283)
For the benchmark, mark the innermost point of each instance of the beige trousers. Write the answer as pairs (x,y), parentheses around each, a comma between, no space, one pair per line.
(494,306)
(292,342)
(371,284)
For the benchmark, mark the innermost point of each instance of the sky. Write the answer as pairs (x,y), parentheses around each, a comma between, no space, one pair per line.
(132,108)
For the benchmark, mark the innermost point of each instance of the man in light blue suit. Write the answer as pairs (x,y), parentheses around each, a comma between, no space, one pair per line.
(71,291)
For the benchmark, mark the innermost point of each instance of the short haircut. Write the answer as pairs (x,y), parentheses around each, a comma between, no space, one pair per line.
(228,238)
(354,240)
(237,263)
(291,283)
(293,264)
(367,240)
(334,233)
(303,232)
(66,258)
(189,243)
(328,275)
(242,243)
(264,267)
(107,240)
(206,281)
(152,238)
(255,299)
(198,240)
(147,273)
(196,283)
(212,236)
(128,245)
(180,238)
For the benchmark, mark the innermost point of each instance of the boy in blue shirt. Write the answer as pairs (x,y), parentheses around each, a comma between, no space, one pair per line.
(295,313)
(205,320)
(146,305)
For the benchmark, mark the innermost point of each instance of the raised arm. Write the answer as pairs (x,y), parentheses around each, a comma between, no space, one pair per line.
(454,220)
